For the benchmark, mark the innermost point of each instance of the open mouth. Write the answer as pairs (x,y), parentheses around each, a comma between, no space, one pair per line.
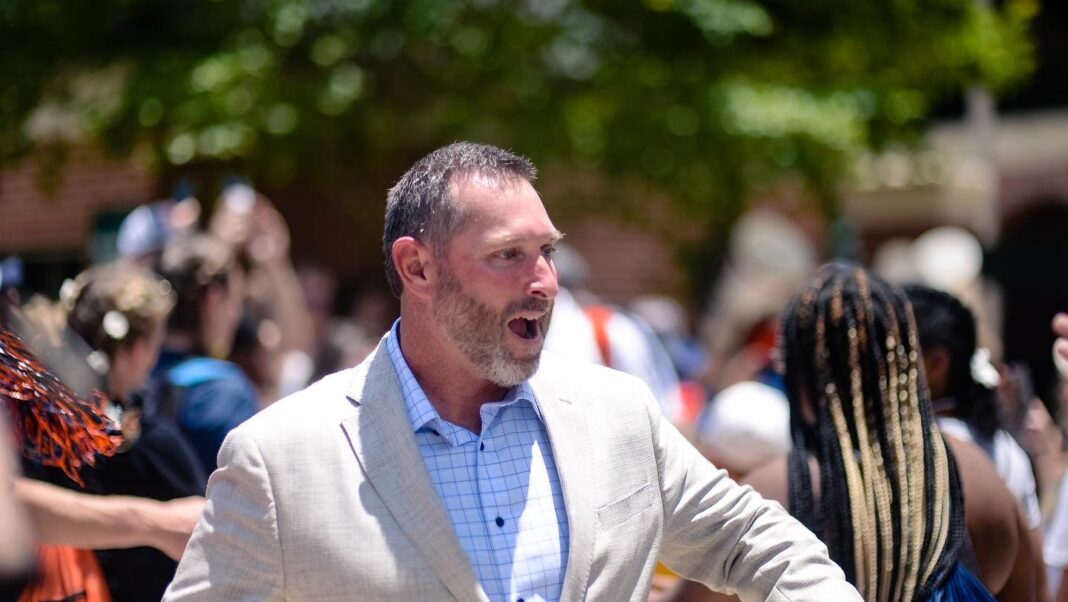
(524,328)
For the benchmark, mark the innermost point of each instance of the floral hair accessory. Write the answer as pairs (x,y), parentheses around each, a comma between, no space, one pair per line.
(983,371)
(116,325)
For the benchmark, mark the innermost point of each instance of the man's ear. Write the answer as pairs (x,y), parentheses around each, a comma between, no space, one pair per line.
(415,265)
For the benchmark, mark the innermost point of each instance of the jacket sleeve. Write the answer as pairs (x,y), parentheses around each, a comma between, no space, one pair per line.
(234,553)
(727,537)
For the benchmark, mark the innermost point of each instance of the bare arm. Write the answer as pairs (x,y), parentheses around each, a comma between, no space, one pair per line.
(98,522)
(16,546)
(1022,582)
(1042,592)
(998,531)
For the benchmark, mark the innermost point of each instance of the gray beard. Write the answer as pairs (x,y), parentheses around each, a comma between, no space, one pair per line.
(479,332)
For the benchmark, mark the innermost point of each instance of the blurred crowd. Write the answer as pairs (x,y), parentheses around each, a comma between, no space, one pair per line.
(204,320)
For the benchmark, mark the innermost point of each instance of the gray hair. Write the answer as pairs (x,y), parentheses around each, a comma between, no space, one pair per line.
(421,203)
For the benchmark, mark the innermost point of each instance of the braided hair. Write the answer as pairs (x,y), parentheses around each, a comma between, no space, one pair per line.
(942,321)
(890,506)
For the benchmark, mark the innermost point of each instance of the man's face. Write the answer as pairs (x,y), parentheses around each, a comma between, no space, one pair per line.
(497,281)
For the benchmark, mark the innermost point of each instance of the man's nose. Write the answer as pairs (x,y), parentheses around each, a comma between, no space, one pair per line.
(544,283)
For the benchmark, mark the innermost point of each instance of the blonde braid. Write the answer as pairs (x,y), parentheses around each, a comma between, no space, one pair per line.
(879,477)
(914,444)
(868,539)
(897,438)
(876,480)
(853,478)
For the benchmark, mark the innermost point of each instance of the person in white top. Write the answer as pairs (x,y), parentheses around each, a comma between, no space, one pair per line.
(963,386)
(1056,547)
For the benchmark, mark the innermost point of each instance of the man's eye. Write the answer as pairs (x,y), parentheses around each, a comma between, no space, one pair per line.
(548,252)
(509,254)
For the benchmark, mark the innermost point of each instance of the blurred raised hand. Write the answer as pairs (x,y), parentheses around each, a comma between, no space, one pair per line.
(1060,346)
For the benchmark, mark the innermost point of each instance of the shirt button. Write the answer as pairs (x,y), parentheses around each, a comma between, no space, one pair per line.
(481,446)
(500,522)
(518,600)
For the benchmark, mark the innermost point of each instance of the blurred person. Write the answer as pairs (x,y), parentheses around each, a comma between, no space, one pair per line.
(121,311)
(204,394)
(745,426)
(859,407)
(570,332)
(55,428)
(372,308)
(11,276)
(770,255)
(344,345)
(1056,546)
(1044,440)
(297,367)
(257,351)
(276,331)
(259,237)
(667,318)
(147,228)
(907,513)
(464,463)
(626,343)
(668,321)
(588,329)
(753,357)
(964,390)
(320,289)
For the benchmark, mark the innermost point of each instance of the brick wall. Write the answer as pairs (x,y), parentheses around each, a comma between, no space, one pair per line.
(32,220)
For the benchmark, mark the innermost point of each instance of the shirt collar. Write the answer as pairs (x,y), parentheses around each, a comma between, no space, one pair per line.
(421,412)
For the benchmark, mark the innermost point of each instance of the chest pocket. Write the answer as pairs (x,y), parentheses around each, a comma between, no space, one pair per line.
(614,513)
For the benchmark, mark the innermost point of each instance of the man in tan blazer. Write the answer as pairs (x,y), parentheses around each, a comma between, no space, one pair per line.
(460,463)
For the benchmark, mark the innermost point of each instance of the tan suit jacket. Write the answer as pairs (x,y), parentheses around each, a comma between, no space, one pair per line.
(324,496)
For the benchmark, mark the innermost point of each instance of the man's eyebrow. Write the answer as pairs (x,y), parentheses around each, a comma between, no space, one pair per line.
(554,237)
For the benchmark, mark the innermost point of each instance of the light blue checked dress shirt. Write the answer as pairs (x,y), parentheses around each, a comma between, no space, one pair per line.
(500,488)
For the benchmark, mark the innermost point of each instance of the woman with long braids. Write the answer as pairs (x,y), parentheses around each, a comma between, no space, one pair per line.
(907,514)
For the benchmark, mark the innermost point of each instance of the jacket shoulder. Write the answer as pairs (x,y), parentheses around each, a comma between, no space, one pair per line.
(594,386)
(317,405)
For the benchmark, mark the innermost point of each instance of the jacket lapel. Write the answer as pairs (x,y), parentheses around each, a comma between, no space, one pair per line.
(570,441)
(381,436)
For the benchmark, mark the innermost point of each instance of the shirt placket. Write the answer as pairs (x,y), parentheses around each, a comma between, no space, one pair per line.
(493,494)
